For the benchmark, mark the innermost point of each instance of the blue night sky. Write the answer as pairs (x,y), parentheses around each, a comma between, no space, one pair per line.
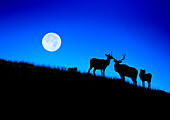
(90,28)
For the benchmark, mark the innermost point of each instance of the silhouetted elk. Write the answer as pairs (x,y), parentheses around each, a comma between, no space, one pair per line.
(72,69)
(100,64)
(145,77)
(125,70)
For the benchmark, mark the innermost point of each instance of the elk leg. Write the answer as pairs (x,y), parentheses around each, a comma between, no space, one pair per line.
(94,71)
(134,81)
(149,85)
(143,83)
(123,78)
(103,71)
(89,69)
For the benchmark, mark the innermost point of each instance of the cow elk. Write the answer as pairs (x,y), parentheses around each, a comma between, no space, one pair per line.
(100,64)
(145,77)
(125,70)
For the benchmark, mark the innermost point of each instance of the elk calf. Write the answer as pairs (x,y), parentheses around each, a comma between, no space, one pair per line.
(100,64)
(145,77)
(125,70)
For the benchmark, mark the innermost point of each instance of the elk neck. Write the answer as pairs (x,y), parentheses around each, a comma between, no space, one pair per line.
(108,61)
(116,66)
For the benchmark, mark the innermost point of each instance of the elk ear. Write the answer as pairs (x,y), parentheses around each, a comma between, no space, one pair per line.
(106,55)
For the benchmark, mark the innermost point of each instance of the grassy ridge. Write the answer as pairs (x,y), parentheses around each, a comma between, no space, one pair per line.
(24,78)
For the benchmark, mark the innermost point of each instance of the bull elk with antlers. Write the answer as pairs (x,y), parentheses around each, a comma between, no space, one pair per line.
(100,64)
(125,70)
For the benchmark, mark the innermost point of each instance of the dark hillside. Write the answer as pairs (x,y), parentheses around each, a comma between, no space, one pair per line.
(24,78)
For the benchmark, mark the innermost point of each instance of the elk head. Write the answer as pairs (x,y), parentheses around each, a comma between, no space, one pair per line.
(119,61)
(142,71)
(109,56)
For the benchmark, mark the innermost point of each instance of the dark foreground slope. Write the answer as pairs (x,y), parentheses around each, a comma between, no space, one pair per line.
(24,78)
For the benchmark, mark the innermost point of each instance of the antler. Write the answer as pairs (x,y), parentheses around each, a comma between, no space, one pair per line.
(123,57)
(113,57)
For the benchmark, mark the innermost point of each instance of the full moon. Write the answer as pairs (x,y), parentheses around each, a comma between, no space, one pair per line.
(51,42)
